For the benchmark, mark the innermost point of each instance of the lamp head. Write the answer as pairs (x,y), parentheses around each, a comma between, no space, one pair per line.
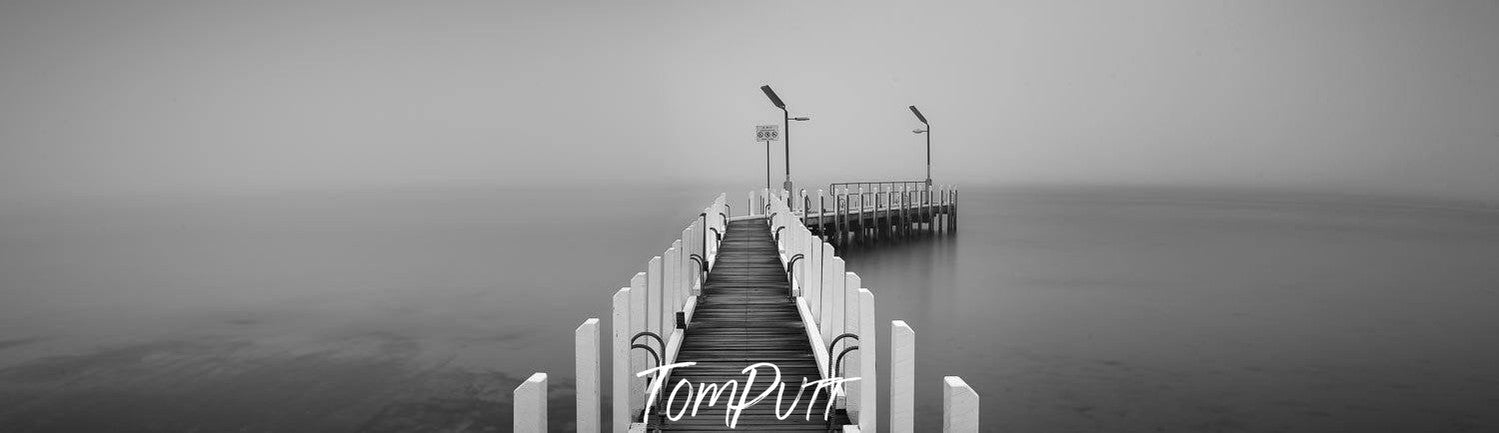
(773,98)
(917,131)
(918,115)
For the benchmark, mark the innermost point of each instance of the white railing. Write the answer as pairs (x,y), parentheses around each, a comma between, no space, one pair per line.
(837,312)
(646,326)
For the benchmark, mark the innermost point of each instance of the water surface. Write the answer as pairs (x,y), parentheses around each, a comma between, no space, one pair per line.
(1146,310)
(1068,310)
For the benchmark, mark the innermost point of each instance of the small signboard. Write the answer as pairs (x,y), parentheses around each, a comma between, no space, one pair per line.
(767,132)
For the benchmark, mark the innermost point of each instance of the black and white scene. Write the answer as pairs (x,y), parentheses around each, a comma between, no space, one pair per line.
(393,216)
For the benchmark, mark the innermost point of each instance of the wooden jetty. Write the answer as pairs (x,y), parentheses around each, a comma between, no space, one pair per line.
(766,286)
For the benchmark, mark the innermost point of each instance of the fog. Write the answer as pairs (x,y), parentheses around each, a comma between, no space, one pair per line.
(110,98)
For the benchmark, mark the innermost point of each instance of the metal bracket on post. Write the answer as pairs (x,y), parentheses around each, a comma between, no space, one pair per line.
(790,271)
(702,267)
(654,336)
(834,345)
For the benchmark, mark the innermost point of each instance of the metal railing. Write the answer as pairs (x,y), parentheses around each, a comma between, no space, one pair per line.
(889,185)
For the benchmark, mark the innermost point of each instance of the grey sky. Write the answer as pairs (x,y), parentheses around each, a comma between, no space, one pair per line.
(109,97)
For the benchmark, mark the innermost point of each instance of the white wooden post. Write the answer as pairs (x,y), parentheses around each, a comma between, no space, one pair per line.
(801,235)
(904,198)
(714,219)
(960,406)
(833,300)
(814,273)
(868,349)
(902,377)
(942,206)
(809,249)
(825,283)
(638,321)
(931,210)
(586,365)
(672,279)
(822,210)
(530,407)
(849,303)
(690,245)
(654,282)
(947,223)
(851,365)
(684,278)
(620,332)
(810,268)
(838,223)
(801,200)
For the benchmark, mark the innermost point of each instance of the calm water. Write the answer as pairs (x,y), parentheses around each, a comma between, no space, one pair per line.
(419,310)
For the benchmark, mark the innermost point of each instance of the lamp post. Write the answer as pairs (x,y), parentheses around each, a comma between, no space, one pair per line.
(928,132)
(786,121)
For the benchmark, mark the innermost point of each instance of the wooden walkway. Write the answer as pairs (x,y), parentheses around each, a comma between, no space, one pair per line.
(746,314)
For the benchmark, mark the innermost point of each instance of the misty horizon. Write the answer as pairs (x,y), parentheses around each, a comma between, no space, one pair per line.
(1387,99)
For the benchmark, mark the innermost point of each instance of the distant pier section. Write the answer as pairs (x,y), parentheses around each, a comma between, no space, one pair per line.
(873,211)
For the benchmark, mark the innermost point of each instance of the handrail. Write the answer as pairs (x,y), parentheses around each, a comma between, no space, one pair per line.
(834,344)
(838,371)
(659,341)
(790,271)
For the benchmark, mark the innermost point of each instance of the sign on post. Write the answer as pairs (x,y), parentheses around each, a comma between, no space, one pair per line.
(768,133)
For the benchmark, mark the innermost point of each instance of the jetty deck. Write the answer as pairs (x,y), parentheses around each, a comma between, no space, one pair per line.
(747,314)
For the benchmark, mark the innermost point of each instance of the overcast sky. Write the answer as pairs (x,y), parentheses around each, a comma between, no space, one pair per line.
(124,97)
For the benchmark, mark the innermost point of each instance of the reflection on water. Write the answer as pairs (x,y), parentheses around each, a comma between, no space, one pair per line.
(1091,310)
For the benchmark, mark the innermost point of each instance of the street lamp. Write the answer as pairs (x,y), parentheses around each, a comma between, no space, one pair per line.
(776,100)
(928,132)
